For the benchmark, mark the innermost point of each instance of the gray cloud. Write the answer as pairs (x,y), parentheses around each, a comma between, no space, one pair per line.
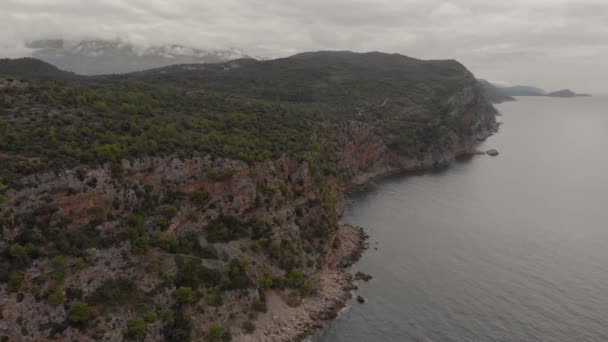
(550,43)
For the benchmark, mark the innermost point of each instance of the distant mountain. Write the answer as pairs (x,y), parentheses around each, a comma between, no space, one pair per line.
(31,68)
(522,91)
(495,94)
(96,57)
(562,93)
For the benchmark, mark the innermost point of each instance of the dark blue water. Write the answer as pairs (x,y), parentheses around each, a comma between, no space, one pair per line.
(512,248)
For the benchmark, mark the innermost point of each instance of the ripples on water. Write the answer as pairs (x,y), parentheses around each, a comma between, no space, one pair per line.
(512,248)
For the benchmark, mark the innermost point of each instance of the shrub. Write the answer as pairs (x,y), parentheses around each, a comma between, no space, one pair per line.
(100,106)
(214,298)
(136,329)
(167,316)
(109,152)
(79,264)
(8,101)
(167,243)
(248,327)
(184,295)
(200,197)
(293,298)
(56,296)
(217,333)
(256,246)
(18,251)
(226,229)
(191,273)
(117,292)
(14,282)
(170,212)
(295,278)
(80,313)
(264,282)
(140,245)
(60,266)
(307,289)
(151,317)
(237,274)
(259,305)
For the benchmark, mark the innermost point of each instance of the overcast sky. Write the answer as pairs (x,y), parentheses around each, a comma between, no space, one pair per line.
(550,43)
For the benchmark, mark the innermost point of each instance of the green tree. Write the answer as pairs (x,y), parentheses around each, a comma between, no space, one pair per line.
(200,197)
(56,296)
(8,101)
(109,152)
(217,333)
(136,329)
(264,282)
(79,264)
(18,252)
(170,212)
(100,106)
(14,282)
(140,245)
(80,313)
(151,317)
(60,265)
(184,295)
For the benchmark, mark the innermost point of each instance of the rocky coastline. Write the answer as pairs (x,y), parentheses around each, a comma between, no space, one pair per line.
(336,283)
(213,246)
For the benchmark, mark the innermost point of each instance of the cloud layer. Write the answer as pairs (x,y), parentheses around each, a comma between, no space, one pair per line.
(550,43)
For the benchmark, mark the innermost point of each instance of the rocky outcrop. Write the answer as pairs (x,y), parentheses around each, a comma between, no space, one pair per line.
(492,152)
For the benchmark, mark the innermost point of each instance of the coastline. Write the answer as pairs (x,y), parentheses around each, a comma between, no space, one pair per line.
(335,282)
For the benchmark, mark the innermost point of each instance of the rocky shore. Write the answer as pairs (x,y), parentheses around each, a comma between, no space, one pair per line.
(335,285)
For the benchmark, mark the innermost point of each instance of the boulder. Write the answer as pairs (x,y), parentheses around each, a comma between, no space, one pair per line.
(362,276)
(360,299)
(492,152)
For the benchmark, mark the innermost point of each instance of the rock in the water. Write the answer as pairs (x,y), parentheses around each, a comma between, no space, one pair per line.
(362,276)
(360,299)
(492,152)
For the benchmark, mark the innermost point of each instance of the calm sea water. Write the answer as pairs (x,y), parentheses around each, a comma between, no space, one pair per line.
(512,248)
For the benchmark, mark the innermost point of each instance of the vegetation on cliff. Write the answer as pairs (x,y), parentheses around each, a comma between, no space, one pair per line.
(132,205)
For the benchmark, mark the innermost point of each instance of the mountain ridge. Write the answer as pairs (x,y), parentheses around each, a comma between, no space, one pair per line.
(98,57)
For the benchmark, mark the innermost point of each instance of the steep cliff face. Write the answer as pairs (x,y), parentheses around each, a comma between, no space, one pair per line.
(363,154)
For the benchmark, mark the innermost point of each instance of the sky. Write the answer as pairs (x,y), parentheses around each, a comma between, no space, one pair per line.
(553,44)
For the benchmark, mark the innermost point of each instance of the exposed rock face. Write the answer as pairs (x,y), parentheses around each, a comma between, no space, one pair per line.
(363,154)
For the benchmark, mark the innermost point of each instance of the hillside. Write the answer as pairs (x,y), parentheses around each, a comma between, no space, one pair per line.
(495,94)
(522,91)
(32,68)
(562,93)
(203,201)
